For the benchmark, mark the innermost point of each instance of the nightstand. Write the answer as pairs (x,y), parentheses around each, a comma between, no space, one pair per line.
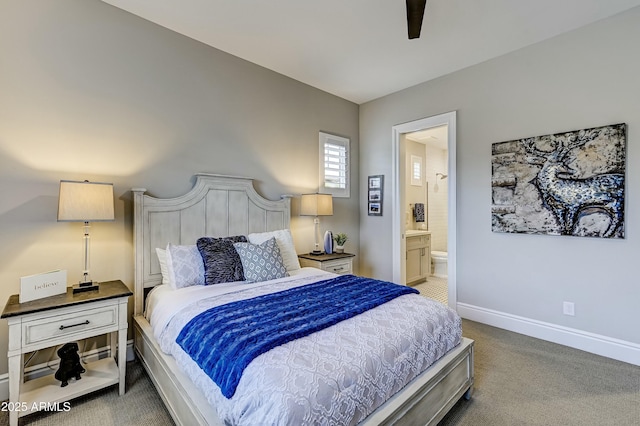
(338,263)
(60,319)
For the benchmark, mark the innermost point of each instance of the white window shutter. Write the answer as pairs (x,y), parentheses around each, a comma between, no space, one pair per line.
(416,170)
(334,165)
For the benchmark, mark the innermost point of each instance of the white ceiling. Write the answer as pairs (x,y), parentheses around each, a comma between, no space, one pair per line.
(436,137)
(358,49)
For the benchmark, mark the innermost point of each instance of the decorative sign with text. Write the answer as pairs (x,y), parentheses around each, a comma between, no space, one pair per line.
(37,286)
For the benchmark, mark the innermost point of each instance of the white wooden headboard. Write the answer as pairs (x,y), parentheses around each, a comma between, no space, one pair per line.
(217,206)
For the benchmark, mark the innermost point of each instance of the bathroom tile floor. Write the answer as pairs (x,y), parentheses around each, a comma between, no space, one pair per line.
(435,288)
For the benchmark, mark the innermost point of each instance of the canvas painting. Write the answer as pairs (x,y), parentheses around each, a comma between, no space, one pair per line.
(570,183)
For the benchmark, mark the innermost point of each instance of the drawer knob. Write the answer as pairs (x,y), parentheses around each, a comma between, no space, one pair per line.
(62,327)
(338,269)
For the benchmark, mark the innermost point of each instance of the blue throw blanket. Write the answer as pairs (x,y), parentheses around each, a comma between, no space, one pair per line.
(225,339)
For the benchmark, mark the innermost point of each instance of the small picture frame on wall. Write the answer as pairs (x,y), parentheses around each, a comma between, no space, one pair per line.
(375,209)
(375,195)
(375,182)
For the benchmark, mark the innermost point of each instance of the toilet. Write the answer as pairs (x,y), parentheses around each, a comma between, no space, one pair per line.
(439,261)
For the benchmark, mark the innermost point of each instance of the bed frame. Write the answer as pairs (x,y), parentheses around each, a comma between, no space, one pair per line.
(221,206)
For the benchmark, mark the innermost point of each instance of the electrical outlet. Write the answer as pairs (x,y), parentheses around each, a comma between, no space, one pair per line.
(568,308)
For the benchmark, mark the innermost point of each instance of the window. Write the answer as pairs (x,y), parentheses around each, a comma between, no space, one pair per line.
(334,165)
(416,170)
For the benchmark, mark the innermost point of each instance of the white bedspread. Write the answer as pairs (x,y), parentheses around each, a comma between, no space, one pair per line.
(336,376)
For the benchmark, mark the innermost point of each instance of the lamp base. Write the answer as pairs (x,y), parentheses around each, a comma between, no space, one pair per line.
(86,286)
(316,253)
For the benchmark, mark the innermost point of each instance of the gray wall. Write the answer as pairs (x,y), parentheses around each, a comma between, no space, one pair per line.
(585,78)
(88,91)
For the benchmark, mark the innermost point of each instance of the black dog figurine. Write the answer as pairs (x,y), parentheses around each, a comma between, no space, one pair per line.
(69,364)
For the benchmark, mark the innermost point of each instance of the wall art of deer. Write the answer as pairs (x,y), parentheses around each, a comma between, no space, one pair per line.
(570,197)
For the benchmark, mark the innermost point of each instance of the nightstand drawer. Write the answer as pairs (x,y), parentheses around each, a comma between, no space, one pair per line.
(71,324)
(337,266)
(338,263)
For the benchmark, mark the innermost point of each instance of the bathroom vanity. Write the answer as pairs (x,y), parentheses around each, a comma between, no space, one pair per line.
(418,255)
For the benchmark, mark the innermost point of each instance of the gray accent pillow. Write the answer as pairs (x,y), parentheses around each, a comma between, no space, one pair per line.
(261,262)
(221,261)
(184,266)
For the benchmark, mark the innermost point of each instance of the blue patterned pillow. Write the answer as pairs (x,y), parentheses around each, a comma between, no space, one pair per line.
(221,261)
(261,262)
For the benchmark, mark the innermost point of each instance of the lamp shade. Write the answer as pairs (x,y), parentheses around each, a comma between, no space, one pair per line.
(85,201)
(316,205)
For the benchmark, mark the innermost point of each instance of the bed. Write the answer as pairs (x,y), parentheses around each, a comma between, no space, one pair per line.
(225,206)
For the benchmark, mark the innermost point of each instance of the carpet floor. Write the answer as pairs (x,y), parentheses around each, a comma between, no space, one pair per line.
(518,381)
(140,405)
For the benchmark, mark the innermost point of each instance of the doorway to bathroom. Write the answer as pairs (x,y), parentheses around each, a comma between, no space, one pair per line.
(424,205)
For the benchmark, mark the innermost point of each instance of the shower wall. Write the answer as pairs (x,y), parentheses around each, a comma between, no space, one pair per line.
(436,162)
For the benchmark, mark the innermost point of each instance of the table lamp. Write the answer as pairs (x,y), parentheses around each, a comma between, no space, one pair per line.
(85,202)
(316,205)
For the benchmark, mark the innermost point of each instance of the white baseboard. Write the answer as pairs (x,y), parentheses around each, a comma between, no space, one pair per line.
(40,370)
(609,347)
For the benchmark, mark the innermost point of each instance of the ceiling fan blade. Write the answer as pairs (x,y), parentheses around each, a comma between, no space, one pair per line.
(415,13)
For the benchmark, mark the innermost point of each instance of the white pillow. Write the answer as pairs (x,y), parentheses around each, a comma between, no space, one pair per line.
(285,244)
(184,266)
(162,259)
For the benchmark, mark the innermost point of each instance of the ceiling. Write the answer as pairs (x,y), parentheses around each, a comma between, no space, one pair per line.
(358,49)
(436,137)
